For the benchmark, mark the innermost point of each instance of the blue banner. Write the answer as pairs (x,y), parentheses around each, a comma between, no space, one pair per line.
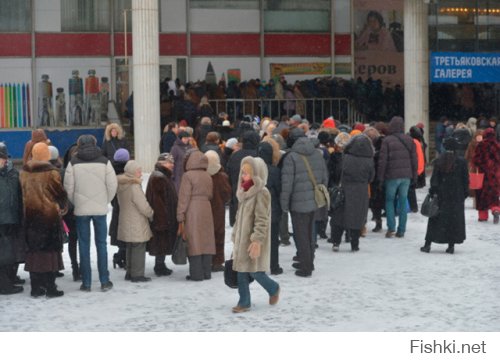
(465,67)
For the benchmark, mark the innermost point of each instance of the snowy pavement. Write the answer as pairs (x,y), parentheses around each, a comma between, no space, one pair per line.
(388,286)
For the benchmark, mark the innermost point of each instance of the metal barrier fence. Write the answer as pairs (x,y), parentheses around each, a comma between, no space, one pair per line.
(315,110)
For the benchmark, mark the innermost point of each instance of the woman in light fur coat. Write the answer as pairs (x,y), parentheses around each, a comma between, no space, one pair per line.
(114,138)
(252,232)
(134,218)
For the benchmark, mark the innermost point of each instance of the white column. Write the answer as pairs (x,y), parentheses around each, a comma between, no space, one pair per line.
(416,57)
(146,78)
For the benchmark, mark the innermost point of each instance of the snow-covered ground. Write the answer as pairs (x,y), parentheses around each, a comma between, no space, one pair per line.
(388,286)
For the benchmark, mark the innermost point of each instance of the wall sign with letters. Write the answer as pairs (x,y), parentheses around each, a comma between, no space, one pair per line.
(464,67)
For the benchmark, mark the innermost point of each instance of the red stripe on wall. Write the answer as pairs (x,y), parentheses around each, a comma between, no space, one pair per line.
(120,45)
(15,45)
(225,44)
(63,44)
(173,44)
(342,44)
(297,44)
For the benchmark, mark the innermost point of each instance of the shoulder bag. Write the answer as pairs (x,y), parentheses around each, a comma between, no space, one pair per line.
(321,194)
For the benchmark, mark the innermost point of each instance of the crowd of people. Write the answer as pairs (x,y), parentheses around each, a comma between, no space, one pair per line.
(266,172)
(371,97)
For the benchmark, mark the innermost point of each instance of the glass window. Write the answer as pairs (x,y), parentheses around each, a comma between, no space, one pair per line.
(85,15)
(15,15)
(118,7)
(297,16)
(459,25)
(224,4)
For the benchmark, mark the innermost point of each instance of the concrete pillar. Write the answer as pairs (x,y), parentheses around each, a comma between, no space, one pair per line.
(146,80)
(416,58)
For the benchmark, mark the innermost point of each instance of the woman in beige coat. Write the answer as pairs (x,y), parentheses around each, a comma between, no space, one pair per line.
(194,214)
(252,232)
(133,224)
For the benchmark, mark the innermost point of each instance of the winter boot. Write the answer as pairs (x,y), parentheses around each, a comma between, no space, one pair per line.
(162,270)
(451,248)
(426,248)
(378,226)
(52,291)
(37,284)
(76,272)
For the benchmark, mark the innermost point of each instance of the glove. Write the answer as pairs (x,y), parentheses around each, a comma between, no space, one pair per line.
(254,250)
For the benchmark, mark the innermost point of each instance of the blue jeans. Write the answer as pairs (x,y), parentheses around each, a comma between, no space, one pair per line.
(244,286)
(396,188)
(100,234)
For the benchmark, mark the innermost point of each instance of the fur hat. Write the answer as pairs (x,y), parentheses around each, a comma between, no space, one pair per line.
(342,139)
(54,153)
(131,167)
(121,155)
(4,153)
(231,142)
(40,152)
(165,156)
(213,162)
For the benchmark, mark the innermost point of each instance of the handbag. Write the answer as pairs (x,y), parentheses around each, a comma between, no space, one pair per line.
(321,194)
(179,254)
(430,207)
(64,232)
(337,197)
(476,180)
(231,276)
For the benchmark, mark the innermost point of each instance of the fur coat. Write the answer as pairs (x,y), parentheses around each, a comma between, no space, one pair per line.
(162,197)
(135,212)
(193,208)
(44,200)
(253,221)
(487,160)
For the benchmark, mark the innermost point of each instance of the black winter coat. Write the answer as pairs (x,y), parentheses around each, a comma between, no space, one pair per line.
(451,188)
(10,195)
(357,173)
(167,141)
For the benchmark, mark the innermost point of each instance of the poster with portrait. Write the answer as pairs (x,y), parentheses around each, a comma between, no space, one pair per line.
(379,41)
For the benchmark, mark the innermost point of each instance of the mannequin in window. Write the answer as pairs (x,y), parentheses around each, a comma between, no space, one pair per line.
(75,99)
(45,108)
(92,100)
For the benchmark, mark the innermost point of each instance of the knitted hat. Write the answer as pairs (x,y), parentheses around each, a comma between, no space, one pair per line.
(4,153)
(165,156)
(230,143)
(131,167)
(296,118)
(40,152)
(354,132)
(54,153)
(213,162)
(183,134)
(360,127)
(226,123)
(121,155)
(342,139)
(328,123)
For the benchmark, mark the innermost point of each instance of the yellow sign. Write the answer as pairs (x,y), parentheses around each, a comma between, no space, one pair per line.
(300,68)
